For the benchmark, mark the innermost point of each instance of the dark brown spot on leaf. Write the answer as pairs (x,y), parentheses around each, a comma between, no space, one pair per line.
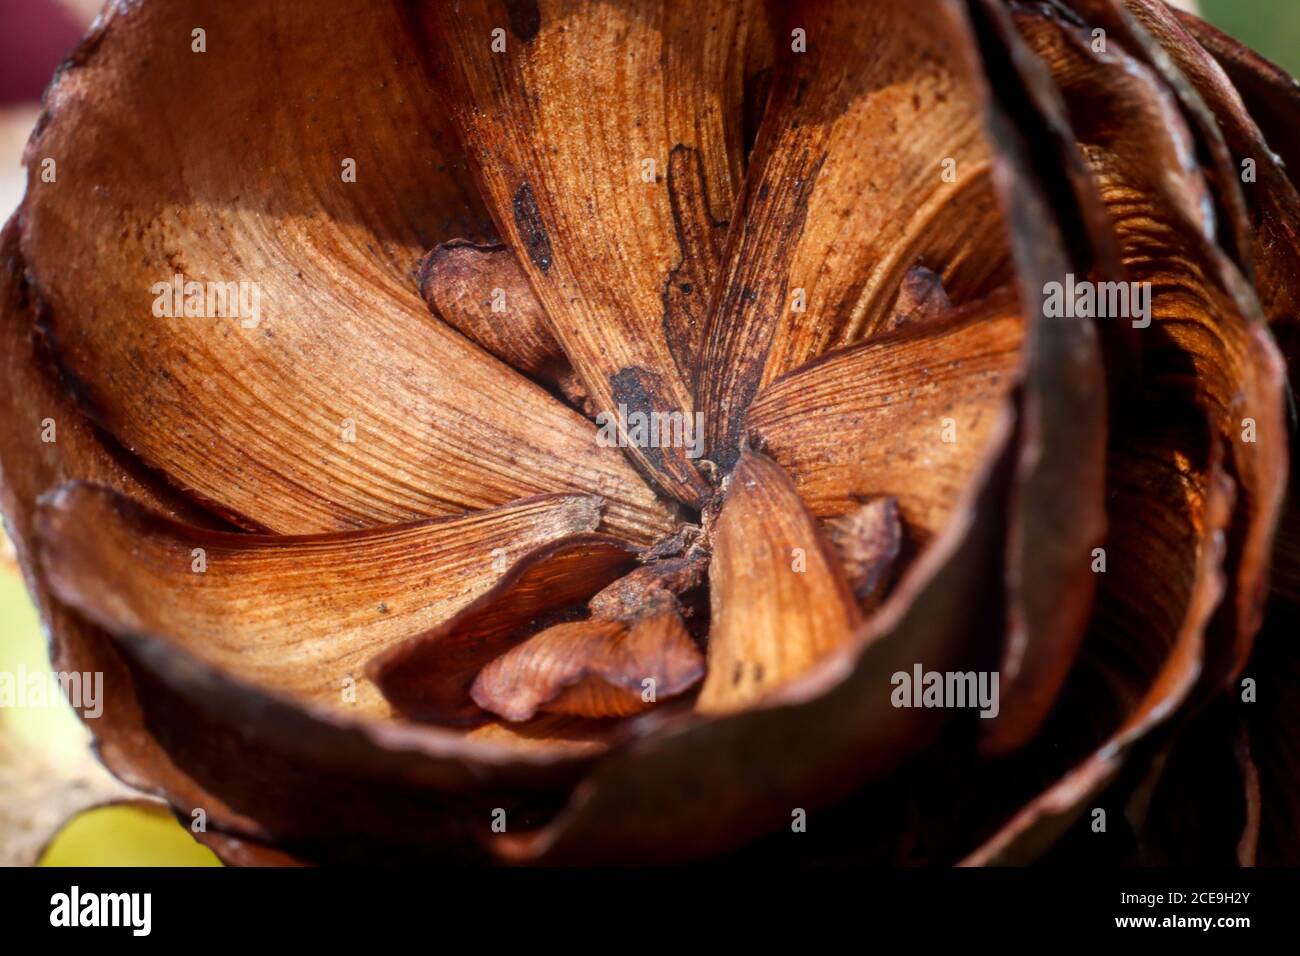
(528,219)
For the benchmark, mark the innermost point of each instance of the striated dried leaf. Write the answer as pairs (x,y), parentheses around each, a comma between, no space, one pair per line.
(1058,514)
(1270,93)
(1174,501)
(1271,196)
(906,415)
(686,294)
(1205,317)
(1025,89)
(673,310)
(1151,590)
(29,400)
(1162,491)
(758,793)
(1256,91)
(1123,26)
(1271,97)
(779,600)
(173,726)
(686,787)
(617,256)
(872,158)
(331,399)
(297,614)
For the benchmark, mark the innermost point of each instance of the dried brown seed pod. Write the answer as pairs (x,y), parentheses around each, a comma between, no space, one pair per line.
(647,418)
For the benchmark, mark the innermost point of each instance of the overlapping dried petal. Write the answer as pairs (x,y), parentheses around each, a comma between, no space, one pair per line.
(751,375)
(300,613)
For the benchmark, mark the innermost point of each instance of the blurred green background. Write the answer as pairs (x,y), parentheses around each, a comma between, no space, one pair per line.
(1272,27)
(128,836)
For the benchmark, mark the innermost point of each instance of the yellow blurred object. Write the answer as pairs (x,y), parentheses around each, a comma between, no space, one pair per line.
(126,836)
(106,836)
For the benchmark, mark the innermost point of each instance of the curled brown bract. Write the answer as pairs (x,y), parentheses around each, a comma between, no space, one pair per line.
(636,422)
